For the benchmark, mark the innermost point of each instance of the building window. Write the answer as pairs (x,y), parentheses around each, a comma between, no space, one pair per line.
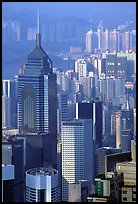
(124,192)
(124,199)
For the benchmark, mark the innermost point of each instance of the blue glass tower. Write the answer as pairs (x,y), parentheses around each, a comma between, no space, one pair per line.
(37,94)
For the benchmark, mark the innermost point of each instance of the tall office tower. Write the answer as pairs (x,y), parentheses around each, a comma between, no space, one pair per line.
(121,67)
(134,112)
(6,106)
(92,110)
(112,41)
(79,191)
(131,65)
(89,41)
(125,41)
(42,185)
(87,87)
(127,124)
(133,150)
(81,68)
(99,34)
(8,183)
(31,33)
(9,103)
(113,124)
(116,65)
(132,39)
(105,41)
(37,95)
(63,82)
(77,144)
(118,129)
(12,153)
(63,107)
(110,88)
(119,86)
(14,102)
(59,164)
(40,146)
(111,61)
(103,94)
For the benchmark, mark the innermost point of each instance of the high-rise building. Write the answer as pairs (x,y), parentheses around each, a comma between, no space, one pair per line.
(77,153)
(92,110)
(13,154)
(9,103)
(135,121)
(8,183)
(112,41)
(6,104)
(118,130)
(105,41)
(38,145)
(116,65)
(42,185)
(89,41)
(81,68)
(37,94)
(63,107)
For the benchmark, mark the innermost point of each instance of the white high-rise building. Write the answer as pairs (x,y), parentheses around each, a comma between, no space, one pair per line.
(42,185)
(89,41)
(6,104)
(77,153)
(118,130)
(81,68)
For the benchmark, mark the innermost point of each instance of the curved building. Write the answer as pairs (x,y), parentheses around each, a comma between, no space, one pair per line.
(42,185)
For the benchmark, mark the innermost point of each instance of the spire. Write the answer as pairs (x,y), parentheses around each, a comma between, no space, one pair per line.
(38,36)
(38,21)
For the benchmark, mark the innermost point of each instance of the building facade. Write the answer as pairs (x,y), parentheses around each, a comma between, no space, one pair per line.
(42,185)
(77,153)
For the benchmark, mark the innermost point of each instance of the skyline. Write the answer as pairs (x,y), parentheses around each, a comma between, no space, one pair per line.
(69,114)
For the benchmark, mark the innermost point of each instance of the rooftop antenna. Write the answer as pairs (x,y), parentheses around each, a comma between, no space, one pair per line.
(38,20)
(38,36)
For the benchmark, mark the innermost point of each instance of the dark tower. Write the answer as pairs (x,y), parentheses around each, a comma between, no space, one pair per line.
(37,95)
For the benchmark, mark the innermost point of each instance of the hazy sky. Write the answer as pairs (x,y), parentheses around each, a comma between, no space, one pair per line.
(77,8)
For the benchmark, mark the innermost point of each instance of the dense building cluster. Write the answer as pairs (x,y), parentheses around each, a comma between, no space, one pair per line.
(71,135)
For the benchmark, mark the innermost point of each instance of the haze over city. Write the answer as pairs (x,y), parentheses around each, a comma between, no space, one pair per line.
(69,102)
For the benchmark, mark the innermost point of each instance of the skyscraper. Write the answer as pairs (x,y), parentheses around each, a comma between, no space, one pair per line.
(37,94)
(118,130)
(77,153)
(89,41)
(92,111)
(81,67)
(7,183)
(13,154)
(42,185)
